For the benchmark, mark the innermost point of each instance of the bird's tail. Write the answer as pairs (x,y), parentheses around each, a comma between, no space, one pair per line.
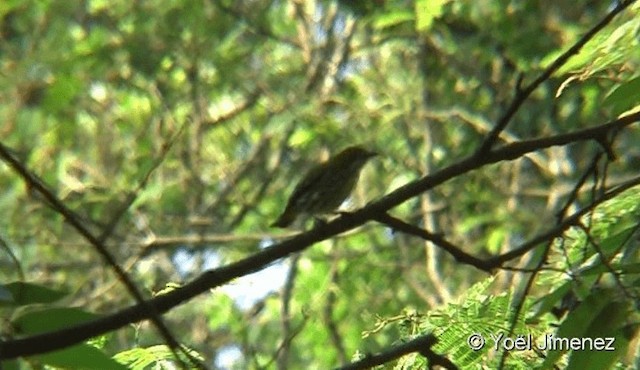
(285,219)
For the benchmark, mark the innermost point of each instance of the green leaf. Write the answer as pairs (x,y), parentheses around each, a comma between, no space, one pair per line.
(427,11)
(51,319)
(22,294)
(576,323)
(629,268)
(605,327)
(143,358)
(61,93)
(495,241)
(546,303)
(393,18)
(624,97)
(10,365)
(82,356)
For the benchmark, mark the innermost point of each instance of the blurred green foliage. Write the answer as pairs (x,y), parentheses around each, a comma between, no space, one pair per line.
(222,104)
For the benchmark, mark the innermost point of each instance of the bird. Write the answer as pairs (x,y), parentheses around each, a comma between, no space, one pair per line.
(326,185)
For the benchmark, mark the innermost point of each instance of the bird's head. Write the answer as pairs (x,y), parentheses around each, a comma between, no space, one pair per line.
(355,154)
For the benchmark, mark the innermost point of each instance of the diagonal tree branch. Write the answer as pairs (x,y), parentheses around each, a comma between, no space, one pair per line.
(492,263)
(398,225)
(258,261)
(561,227)
(522,94)
(98,243)
(421,345)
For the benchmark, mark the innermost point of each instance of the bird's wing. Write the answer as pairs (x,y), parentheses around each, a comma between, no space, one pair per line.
(307,182)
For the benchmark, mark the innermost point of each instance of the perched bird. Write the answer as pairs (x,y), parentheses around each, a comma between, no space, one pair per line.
(326,185)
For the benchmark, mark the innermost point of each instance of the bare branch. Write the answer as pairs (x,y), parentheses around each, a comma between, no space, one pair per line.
(258,261)
(421,345)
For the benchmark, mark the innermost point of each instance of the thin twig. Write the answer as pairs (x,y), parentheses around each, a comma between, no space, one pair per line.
(258,261)
(421,345)
(523,93)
